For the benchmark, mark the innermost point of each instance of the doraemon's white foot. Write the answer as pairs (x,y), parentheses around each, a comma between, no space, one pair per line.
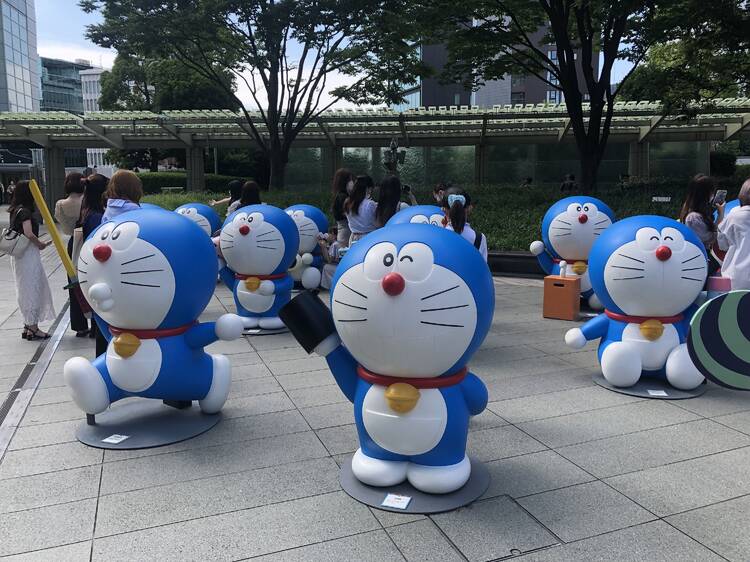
(217,394)
(86,385)
(273,323)
(621,364)
(595,303)
(311,278)
(376,472)
(250,322)
(439,479)
(681,371)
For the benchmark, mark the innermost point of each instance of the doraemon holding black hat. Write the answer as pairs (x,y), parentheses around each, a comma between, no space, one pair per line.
(203,215)
(259,244)
(649,272)
(419,214)
(311,223)
(148,275)
(569,229)
(410,305)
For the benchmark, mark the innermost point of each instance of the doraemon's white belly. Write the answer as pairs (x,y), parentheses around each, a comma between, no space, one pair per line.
(413,433)
(254,301)
(137,372)
(653,353)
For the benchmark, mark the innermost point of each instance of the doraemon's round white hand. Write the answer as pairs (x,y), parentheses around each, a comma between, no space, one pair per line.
(266,287)
(574,338)
(307,259)
(229,327)
(101,294)
(537,247)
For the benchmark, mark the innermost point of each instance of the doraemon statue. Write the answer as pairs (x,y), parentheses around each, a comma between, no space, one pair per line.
(649,272)
(569,229)
(148,276)
(410,305)
(203,215)
(259,243)
(421,214)
(311,223)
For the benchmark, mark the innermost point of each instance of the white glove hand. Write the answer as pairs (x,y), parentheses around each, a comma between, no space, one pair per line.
(537,247)
(575,339)
(266,287)
(229,327)
(101,294)
(307,259)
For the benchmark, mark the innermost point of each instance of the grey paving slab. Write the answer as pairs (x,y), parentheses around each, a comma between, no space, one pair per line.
(530,385)
(584,510)
(253,371)
(339,439)
(329,415)
(303,365)
(673,488)
(279,341)
(317,395)
(491,529)
(533,366)
(47,434)
(310,379)
(486,420)
(423,541)
(76,552)
(242,406)
(597,424)
(230,347)
(717,401)
(654,447)
(650,542)
(26,462)
(391,519)
(244,358)
(254,387)
(45,396)
(48,413)
(374,546)
(29,492)
(283,354)
(46,527)
(721,527)
(244,534)
(739,421)
(506,354)
(501,442)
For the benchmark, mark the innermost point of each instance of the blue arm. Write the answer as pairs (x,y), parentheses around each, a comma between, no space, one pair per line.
(103,328)
(227,276)
(596,327)
(344,369)
(201,335)
(317,261)
(546,262)
(475,394)
(284,284)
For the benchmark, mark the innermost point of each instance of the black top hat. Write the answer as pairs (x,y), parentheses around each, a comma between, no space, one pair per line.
(309,320)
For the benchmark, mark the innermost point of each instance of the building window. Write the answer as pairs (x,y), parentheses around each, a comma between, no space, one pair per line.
(456,99)
(552,55)
(554,96)
(518,98)
(517,81)
(552,79)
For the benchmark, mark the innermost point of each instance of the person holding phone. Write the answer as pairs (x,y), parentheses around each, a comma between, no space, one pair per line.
(734,238)
(698,210)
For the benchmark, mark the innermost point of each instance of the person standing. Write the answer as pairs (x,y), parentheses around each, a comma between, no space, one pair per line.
(32,286)
(360,209)
(457,204)
(697,214)
(734,238)
(250,195)
(389,200)
(124,194)
(68,210)
(343,184)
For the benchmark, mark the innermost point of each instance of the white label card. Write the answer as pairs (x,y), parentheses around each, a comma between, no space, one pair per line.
(396,501)
(115,439)
(658,393)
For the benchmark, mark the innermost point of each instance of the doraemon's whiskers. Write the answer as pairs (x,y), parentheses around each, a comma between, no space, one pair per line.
(601,222)
(353,320)
(693,279)
(627,278)
(138,259)
(83,261)
(691,259)
(267,247)
(561,228)
(631,258)
(439,293)
(225,233)
(629,268)
(357,292)
(439,324)
(444,308)
(562,221)
(143,271)
(349,305)
(139,284)
(694,269)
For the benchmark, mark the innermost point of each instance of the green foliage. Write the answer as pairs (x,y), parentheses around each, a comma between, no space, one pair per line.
(154,182)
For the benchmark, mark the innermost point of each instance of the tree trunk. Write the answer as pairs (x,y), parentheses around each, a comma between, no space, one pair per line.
(589,170)
(277,162)
(153,160)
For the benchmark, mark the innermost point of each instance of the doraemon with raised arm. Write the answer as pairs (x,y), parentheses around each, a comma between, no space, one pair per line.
(202,215)
(148,275)
(569,229)
(259,243)
(649,272)
(311,223)
(419,214)
(410,305)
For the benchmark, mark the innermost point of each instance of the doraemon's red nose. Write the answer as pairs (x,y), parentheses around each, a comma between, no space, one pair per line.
(244,230)
(102,252)
(583,218)
(393,284)
(663,253)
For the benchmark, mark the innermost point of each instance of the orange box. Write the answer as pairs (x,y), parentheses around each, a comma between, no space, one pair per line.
(562,297)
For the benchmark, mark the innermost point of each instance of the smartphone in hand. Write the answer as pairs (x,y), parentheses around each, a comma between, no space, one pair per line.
(720,197)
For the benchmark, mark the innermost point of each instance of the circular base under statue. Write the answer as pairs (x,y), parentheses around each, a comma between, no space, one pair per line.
(145,424)
(414,500)
(652,388)
(263,332)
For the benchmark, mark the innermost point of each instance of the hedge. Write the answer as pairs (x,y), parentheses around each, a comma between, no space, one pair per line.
(154,182)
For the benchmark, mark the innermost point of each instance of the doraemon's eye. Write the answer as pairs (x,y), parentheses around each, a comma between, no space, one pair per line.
(648,239)
(255,219)
(573,210)
(437,219)
(105,232)
(673,238)
(379,260)
(585,208)
(419,219)
(124,235)
(578,208)
(298,214)
(415,261)
(240,219)
(591,209)
(182,211)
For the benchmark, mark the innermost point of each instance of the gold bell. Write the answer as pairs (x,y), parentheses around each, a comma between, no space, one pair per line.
(579,267)
(402,397)
(652,329)
(252,283)
(126,345)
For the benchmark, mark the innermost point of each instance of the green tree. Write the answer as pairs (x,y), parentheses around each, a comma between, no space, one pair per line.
(284,53)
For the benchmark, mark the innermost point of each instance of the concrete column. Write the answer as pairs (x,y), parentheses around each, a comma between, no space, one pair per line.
(337,158)
(479,158)
(703,162)
(638,160)
(196,171)
(54,175)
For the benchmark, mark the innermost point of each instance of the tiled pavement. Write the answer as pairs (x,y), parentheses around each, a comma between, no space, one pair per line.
(578,472)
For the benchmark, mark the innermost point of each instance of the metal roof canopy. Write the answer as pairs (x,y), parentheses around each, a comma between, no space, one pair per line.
(433,126)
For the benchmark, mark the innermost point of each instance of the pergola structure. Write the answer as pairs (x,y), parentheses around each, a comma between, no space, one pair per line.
(636,123)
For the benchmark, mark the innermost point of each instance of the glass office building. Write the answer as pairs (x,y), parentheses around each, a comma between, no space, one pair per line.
(61,85)
(19,73)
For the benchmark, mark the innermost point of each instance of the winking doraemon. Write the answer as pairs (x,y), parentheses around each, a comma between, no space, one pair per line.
(311,223)
(649,272)
(259,244)
(410,306)
(148,275)
(569,229)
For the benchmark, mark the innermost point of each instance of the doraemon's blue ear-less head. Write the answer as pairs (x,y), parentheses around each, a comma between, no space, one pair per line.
(203,215)
(648,266)
(310,222)
(421,214)
(259,240)
(570,226)
(412,301)
(148,269)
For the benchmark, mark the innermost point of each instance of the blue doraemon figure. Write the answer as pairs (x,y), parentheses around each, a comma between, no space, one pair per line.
(311,223)
(259,243)
(419,214)
(148,276)
(649,272)
(203,215)
(410,306)
(569,229)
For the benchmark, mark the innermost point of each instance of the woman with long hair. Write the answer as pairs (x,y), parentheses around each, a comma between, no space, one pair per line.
(698,210)
(250,195)
(360,209)
(457,204)
(389,199)
(343,184)
(32,287)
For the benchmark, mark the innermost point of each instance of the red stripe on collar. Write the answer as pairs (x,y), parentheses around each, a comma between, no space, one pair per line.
(242,276)
(152,334)
(642,319)
(436,382)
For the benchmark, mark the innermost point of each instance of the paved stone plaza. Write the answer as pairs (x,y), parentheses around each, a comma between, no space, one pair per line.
(578,472)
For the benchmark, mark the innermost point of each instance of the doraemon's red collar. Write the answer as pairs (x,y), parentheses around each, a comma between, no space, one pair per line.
(558,260)
(642,319)
(242,276)
(152,334)
(436,382)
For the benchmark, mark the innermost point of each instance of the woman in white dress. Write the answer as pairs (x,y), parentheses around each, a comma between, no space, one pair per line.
(360,209)
(32,287)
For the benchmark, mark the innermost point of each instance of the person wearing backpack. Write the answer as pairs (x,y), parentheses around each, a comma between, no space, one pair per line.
(456,203)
